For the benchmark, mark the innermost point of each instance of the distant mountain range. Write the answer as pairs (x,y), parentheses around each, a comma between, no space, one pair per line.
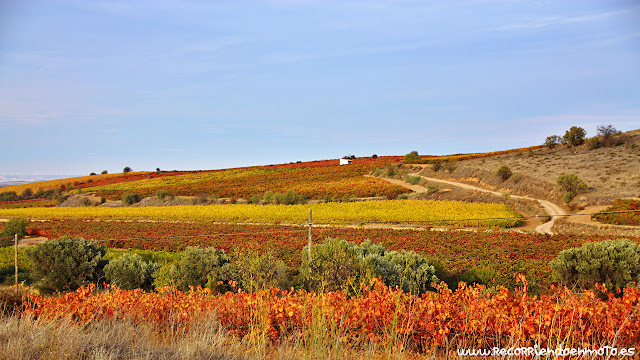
(8,180)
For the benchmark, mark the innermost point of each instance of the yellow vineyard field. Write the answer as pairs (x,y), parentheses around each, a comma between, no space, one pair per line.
(432,212)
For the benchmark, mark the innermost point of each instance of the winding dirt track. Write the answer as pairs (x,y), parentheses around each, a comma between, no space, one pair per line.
(552,209)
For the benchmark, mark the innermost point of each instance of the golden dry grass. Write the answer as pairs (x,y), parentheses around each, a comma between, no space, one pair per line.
(610,172)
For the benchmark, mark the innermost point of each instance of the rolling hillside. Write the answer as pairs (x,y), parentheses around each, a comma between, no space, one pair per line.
(610,173)
(324,179)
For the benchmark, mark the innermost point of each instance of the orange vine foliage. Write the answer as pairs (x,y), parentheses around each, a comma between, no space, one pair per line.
(459,157)
(470,315)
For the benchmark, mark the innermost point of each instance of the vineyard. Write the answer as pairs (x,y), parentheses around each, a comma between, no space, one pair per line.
(622,218)
(459,157)
(470,316)
(312,181)
(517,305)
(498,255)
(432,212)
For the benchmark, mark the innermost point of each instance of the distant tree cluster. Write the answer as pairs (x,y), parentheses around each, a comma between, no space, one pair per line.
(607,136)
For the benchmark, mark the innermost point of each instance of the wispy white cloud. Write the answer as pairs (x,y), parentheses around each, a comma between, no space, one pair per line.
(544,22)
(292,57)
(35,113)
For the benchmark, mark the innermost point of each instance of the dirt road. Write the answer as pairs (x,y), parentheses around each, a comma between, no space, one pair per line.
(552,209)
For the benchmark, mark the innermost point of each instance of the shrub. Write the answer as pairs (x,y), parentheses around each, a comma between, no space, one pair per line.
(345,198)
(129,271)
(66,264)
(335,265)
(431,189)
(162,194)
(14,226)
(268,197)
(378,172)
(504,172)
(340,265)
(437,165)
(254,199)
(199,267)
(405,269)
(412,157)
(158,170)
(126,170)
(594,143)
(130,198)
(8,196)
(391,170)
(289,198)
(449,166)
(165,275)
(92,174)
(374,156)
(553,141)
(104,172)
(615,263)
(575,136)
(254,271)
(26,194)
(571,185)
(413,180)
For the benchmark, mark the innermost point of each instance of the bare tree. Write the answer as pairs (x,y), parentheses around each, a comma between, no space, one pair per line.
(607,132)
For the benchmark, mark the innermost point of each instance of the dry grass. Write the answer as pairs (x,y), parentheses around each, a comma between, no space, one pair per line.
(453,193)
(26,339)
(610,172)
(205,339)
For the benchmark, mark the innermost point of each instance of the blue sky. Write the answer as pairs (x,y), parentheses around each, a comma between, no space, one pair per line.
(93,85)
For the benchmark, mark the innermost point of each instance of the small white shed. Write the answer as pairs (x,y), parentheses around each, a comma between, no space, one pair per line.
(345,161)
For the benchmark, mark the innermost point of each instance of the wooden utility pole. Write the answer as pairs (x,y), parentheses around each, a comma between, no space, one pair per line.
(310,226)
(16,259)
(310,223)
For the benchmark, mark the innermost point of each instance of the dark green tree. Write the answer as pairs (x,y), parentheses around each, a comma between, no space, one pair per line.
(66,264)
(575,136)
